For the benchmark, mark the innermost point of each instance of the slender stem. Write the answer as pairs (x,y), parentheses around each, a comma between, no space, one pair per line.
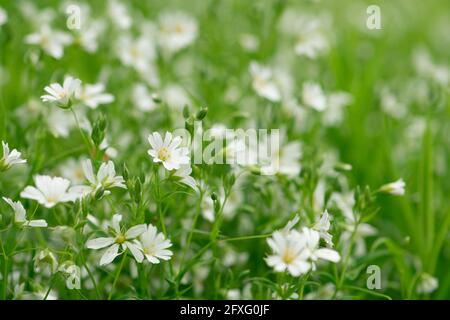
(117,275)
(86,141)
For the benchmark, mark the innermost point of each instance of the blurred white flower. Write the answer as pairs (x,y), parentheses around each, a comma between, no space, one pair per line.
(142,98)
(62,95)
(249,42)
(396,188)
(93,95)
(3,16)
(10,158)
(426,67)
(119,14)
(177,30)
(311,41)
(283,159)
(50,191)
(154,245)
(168,151)
(391,105)
(313,96)
(118,240)
(263,83)
(427,283)
(52,42)
(87,38)
(105,179)
(136,53)
(20,215)
(334,112)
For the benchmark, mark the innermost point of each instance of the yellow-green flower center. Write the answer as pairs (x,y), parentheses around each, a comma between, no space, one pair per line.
(120,239)
(163,154)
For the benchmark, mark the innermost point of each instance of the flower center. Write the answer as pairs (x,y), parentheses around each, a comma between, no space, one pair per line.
(120,239)
(62,94)
(288,257)
(163,154)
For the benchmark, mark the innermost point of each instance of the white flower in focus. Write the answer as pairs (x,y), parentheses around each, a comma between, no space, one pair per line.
(118,240)
(50,191)
(184,176)
(20,215)
(105,179)
(52,42)
(427,283)
(168,151)
(177,30)
(396,188)
(297,252)
(3,16)
(315,253)
(142,98)
(93,95)
(313,96)
(154,245)
(262,82)
(62,95)
(10,158)
(323,226)
(288,253)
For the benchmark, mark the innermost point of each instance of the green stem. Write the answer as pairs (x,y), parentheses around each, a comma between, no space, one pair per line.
(117,275)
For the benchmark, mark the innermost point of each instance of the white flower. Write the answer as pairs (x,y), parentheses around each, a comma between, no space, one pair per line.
(314,252)
(154,245)
(168,151)
(45,260)
(323,226)
(52,42)
(93,95)
(142,98)
(119,14)
(297,252)
(118,240)
(249,42)
(311,42)
(61,95)
(87,37)
(3,16)
(283,160)
(105,179)
(313,96)
(10,158)
(396,188)
(427,283)
(184,176)
(137,53)
(262,82)
(177,30)
(20,215)
(334,112)
(288,253)
(50,191)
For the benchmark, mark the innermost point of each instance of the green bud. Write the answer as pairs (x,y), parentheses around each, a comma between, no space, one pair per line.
(186,112)
(201,114)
